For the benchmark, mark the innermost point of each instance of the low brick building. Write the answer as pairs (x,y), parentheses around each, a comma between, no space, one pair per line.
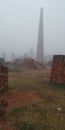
(58,69)
(3,77)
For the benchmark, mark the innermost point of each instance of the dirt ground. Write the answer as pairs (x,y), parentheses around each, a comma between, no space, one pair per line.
(42,103)
(16,98)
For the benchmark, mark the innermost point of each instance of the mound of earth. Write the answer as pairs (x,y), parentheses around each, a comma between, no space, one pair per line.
(30,64)
(25,64)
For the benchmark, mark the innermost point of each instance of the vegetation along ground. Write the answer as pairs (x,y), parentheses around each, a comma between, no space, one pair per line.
(33,102)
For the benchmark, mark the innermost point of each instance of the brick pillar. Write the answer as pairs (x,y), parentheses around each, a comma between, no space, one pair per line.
(58,69)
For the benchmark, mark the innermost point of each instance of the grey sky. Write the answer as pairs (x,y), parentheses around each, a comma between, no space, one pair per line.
(19,24)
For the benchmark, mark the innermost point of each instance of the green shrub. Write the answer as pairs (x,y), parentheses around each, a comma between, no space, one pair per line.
(25,125)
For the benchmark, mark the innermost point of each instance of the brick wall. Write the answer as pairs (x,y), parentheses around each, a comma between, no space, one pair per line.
(3,77)
(58,69)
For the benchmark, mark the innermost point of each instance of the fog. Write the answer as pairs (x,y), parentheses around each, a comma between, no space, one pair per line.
(19,24)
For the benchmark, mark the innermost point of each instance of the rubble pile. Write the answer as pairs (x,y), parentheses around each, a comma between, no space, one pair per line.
(58,69)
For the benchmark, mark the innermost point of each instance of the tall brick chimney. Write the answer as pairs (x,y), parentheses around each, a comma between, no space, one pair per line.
(39,55)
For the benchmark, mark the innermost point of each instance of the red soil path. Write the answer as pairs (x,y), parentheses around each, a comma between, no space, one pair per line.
(17,98)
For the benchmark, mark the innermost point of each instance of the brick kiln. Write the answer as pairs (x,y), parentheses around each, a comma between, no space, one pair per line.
(3,77)
(58,69)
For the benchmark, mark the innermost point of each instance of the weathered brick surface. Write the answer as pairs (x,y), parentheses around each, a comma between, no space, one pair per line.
(3,77)
(58,69)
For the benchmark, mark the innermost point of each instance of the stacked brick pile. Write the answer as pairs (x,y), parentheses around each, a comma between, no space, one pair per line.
(3,77)
(58,69)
